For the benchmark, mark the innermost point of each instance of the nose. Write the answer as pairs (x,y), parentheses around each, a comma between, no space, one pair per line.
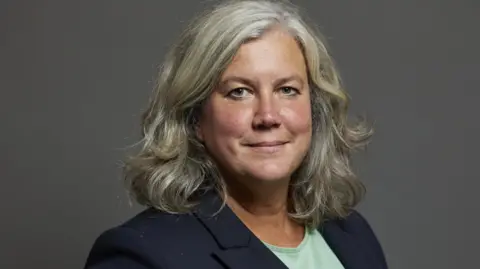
(267,113)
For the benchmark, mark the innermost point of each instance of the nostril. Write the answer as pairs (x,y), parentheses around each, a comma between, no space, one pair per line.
(266,123)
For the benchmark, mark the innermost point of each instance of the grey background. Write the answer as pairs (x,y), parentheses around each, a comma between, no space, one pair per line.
(76,74)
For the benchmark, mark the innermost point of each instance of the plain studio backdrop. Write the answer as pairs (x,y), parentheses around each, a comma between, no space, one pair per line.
(75,76)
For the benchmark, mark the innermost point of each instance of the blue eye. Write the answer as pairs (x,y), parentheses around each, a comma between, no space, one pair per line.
(238,93)
(289,91)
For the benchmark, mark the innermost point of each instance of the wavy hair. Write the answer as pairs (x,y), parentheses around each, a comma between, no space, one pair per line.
(172,168)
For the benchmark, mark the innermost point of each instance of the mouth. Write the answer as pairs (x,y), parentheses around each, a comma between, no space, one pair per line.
(265,144)
(267,147)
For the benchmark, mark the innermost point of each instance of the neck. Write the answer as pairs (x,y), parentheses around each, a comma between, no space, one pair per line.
(264,210)
(262,207)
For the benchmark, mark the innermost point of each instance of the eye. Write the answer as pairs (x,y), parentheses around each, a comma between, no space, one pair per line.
(289,91)
(238,93)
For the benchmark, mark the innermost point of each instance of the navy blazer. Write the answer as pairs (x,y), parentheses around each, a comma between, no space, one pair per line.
(155,239)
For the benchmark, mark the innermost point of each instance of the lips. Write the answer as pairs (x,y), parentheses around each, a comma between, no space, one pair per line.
(267,147)
(265,144)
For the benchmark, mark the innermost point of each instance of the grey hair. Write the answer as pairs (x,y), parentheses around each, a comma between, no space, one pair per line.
(172,168)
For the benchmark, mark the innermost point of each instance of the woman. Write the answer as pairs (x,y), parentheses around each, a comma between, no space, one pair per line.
(245,157)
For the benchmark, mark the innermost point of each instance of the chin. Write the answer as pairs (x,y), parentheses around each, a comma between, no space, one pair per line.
(271,173)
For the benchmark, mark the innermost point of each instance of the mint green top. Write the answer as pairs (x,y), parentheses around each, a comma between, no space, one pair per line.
(312,253)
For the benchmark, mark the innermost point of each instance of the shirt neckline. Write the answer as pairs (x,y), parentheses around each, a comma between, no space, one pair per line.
(296,249)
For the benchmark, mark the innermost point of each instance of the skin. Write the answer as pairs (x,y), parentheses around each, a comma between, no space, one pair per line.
(257,126)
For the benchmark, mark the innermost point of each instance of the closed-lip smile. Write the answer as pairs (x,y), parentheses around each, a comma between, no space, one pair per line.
(267,144)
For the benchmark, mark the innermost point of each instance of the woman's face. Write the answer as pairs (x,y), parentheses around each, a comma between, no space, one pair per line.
(257,122)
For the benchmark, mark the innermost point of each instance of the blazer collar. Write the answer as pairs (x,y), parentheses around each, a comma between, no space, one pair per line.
(239,248)
(348,246)
(222,223)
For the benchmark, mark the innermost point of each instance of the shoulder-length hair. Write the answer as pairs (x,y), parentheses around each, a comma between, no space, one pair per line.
(172,167)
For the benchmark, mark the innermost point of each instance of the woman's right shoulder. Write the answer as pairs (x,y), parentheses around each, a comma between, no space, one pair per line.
(141,238)
(153,223)
(152,220)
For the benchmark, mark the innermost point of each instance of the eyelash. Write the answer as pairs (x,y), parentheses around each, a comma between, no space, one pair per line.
(230,93)
(296,92)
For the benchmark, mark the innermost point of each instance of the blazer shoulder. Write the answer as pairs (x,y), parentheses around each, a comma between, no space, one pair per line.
(132,243)
(122,248)
(148,238)
(355,223)
(152,219)
(156,225)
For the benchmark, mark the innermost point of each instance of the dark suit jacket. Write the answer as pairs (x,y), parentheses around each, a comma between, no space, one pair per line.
(154,239)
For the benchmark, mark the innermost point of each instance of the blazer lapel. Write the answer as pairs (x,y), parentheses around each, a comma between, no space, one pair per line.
(249,257)
(239,248)
(346,247)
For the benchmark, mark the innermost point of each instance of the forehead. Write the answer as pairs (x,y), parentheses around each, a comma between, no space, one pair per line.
(276,51)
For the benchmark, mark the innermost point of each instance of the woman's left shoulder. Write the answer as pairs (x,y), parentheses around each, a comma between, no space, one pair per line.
(357,225)
(341,231)
(356,222)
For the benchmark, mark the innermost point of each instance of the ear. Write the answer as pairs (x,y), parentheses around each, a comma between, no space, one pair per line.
(199,130)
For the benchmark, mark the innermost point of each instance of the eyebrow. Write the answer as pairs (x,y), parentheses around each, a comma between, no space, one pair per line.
(251,83)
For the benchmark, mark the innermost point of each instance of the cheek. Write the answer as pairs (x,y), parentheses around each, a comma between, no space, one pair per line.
(298,118)
(228,122)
